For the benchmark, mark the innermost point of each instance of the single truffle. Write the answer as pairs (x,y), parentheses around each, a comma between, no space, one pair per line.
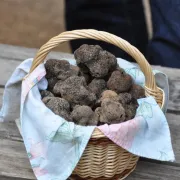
(74,90)
(51,83)
(60,69)
(66,70)
(108,94)
(86,53)
(110,112)
(124,98)
(137,91)
(87,76)
(119,81)
(49,66)
(56,89)
(83,115)
(46,93)
(95,60)
(130,111)
(75,70)
(59,106)
(97,86)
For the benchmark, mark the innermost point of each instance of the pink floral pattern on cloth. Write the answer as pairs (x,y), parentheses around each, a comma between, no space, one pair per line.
(39,172)
(37,150)
(122,134)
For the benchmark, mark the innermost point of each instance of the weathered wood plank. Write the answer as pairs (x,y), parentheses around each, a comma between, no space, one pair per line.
(152,171)
(6,69)
(174,124)
(22,53)
(1,94)
(174,95)
(12,178)
(8,130)
(14,161)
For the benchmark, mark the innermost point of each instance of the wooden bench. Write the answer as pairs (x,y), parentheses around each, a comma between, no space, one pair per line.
(14,163)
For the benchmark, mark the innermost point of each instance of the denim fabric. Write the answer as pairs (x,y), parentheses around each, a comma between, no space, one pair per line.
(164,48)
(125,18)
(119,17)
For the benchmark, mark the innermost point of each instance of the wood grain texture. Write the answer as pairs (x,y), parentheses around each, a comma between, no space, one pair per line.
(14,161)
(6,69)
(22,53)
(174,96)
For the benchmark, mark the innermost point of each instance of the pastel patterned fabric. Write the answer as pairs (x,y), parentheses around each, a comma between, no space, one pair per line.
(54,146)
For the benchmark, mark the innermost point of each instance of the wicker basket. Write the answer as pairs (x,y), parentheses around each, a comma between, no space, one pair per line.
(102,159)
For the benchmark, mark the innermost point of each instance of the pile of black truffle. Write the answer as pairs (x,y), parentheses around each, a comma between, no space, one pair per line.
(95,92)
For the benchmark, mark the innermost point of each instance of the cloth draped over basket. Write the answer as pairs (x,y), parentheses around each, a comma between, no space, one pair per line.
(54,146)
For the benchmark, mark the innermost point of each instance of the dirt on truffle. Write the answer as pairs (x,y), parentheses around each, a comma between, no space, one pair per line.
(95,92)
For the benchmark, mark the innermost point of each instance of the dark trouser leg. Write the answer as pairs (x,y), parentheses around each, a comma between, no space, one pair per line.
(164,48)
(123,18)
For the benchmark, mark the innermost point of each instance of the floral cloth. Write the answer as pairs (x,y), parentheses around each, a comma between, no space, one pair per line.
(54,146)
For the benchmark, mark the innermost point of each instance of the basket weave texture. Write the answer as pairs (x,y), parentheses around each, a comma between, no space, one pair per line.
(102,159)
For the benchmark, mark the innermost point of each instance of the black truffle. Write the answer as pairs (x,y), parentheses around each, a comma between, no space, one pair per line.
(119,81)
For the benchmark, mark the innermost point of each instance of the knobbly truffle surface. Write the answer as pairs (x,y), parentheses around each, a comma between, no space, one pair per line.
(124,98)
(49,66)
(97,86)
(137,91)
(74,90)
(86,53)
(46,93)
(130,111)
(59,106)
(108,94)
(111,112)
(119,81)
(95,60)
(51,83)
(84,115)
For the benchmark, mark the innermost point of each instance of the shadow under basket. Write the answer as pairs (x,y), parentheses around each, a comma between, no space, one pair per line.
(103,159)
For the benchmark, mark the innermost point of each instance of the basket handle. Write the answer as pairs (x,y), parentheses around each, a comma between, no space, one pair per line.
(150,84)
